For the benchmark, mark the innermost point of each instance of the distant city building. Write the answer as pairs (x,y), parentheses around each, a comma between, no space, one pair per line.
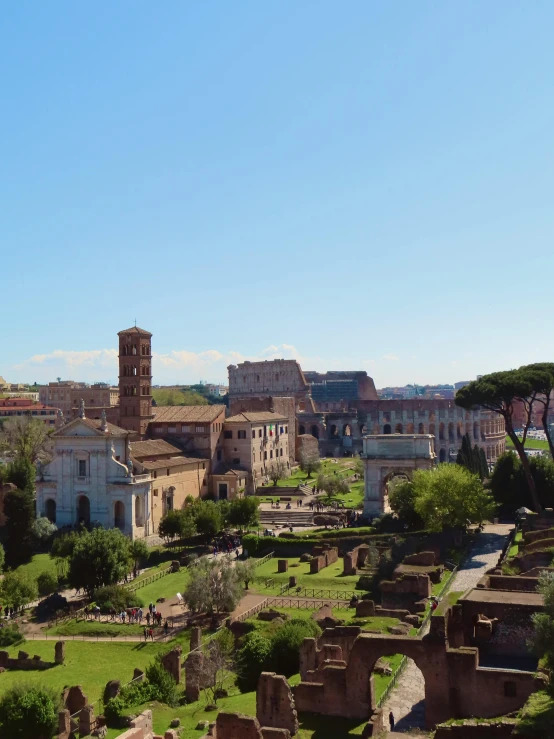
(336,390)
(67,395)
(13,407)
(220,390)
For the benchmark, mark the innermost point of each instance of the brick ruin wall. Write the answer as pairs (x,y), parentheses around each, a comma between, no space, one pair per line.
(323,556)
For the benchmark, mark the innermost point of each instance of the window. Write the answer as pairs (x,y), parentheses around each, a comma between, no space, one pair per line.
(253,434)
(219,455)
(241,434)
(281,430)
(281,453)
(185,429)
(286,429)
(260,433)
(253,456)
(168,471)
(82,468)
(228,434)
(200,429)
(236,460)
(271,454)
(172,430)
(158,429)
(155,474)
(265,455)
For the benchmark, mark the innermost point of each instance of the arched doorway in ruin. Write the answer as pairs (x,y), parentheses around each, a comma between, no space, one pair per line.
(315,431)
(301,430)
(50,510)
(333,432)
(442,455)
(347,430)
(387,429)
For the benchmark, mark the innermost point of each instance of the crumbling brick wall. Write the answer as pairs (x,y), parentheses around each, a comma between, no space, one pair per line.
(275,704)
(355,559)
(405,592)
(323,556)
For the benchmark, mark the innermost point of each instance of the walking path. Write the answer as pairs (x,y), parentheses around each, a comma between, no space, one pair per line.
(407,701)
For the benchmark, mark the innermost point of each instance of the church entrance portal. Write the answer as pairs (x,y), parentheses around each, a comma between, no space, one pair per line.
(83,511)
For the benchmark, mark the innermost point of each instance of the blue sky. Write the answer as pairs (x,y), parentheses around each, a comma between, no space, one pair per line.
(361,185)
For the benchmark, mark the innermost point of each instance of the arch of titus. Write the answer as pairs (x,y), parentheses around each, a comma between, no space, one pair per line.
(387,455)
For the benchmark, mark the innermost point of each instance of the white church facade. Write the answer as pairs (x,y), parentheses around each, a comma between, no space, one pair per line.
(90,480)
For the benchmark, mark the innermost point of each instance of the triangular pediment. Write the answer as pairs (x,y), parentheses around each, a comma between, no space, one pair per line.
(78,427)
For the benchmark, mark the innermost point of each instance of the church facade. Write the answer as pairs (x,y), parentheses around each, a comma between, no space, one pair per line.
(91,481)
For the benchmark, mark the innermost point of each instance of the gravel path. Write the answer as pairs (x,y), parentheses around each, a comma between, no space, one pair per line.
(407,701)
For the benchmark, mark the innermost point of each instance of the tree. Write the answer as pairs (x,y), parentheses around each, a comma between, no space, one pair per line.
(246,571)
(497,392)
(309,461)
(450,496)
(277,471)
(27,438)
(207,517)
(472,458)
(508,486)
(47,583)
(218,666)
(402,499)
(179,523)
(138,549)
(213,586)
(541,377)
(543,638)
(244,512)
(19,509)
(284,657)
(29,712)
(251,660)
(17,589)
(61,551)
(332,485)
(100,557)
(43,529)
(22,474)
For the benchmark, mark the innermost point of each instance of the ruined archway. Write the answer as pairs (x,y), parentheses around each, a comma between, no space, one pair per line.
(387,429)
(442,455)
(333,432)
(50,510)
(315,431)
(347,430)
(399,429)
(301,430)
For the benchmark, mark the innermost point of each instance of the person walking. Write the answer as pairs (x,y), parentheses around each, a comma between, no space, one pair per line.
(145,633)
(391,720)
(151,633)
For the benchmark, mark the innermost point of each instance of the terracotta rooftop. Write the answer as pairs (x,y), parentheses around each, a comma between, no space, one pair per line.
(256,417)
(187,413)
(93,423)
(225,469)
(151,448)
(163,463)
(135,330)
(23,404)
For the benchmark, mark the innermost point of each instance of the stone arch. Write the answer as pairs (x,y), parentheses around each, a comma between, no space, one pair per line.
(475,431)
(119,514)
(363,429)
(387,429)
(139,511)
(442,455)
(333,432)
(441,431)
(421,428)
(315,431)
(459,431)
(450,433)
(410,428)
(83,510)
(432,429)
(347,430)
(361,663)
(50,510)
(399,429)
(301,429)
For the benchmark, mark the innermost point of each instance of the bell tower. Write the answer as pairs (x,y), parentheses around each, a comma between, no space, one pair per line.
(135,380)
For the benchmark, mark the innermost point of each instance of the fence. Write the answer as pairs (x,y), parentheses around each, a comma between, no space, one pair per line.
(422,629)
(301,592)
(251,611)
(258,562)
(309,605)
(149,579)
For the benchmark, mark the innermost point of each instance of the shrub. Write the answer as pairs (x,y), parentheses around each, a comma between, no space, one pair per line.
(47,583)
(115,596)
(10,635)
(284,658)
(164,688)
(29,712)
(251,660)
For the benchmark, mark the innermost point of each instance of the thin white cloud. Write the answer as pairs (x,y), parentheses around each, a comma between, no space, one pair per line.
(391,357)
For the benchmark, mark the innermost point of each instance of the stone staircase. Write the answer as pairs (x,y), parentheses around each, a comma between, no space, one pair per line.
(283,517)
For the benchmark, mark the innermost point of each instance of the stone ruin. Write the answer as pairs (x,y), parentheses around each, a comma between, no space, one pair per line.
(323,556)
(171,662)
(275,718)
(408,592)
(24,662)
(355,559)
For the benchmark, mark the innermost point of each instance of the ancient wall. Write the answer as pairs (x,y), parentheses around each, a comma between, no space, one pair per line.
(275,704)
(355,559)
(24,662)
(501,729)
(323,556)
(405,592)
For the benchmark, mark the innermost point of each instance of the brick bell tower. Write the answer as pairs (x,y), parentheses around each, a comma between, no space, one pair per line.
(135,380)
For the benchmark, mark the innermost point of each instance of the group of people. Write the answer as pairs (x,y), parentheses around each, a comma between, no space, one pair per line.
(7,612)
(225,544)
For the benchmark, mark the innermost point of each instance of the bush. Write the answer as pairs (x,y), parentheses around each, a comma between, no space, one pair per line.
(284,658)
(29,712)
(47,583)
(251,660)
(10,635)
(163,686)
(115,596)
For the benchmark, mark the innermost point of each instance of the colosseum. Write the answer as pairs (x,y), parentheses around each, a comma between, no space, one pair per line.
(339,408)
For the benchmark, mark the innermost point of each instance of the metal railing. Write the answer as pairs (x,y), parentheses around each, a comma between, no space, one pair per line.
(258,562)
(134,585)
(306,604)
(301,592)
(251,611)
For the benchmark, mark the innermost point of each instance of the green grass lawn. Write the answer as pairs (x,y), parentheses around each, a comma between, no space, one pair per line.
(330,577)
(514,549)
(166,587)
(89,664)
(537,716)
(39,563)
(529,444)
